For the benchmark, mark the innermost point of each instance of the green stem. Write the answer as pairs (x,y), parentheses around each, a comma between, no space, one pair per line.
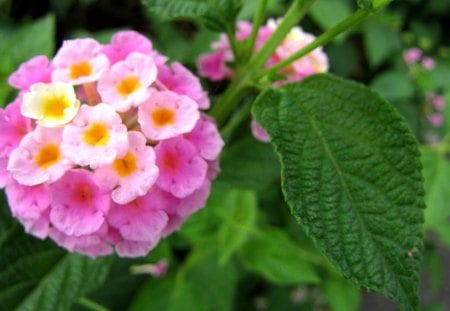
(297,10)
(233,43)
(237,120)
(257,21)
(91,305)
(323,39)
(223,107)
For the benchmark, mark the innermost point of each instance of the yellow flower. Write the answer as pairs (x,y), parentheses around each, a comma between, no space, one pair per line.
(51,104)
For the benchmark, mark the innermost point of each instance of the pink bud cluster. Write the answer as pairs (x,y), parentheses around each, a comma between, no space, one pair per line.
(105,147)
(437,106)
(215,65)
(415,55)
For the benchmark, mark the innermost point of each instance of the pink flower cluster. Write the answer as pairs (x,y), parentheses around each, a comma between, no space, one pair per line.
(415,55)
(215,66)
(436,116)
(105,147)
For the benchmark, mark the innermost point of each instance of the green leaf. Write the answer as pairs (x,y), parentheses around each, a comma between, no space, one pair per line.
(239,223)
(328,13)
(341,295)
(216,14)
(249,164)
(394,85)
(170,294)
(351,175)
(381,40)
(275,256)
(33,39)
(436,170)
(36,275)
(365,4)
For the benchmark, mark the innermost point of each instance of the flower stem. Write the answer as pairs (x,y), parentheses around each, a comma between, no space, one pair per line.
(257,21)
(91,93)
(297,10)
(323,39)
(91,305)
(223,107)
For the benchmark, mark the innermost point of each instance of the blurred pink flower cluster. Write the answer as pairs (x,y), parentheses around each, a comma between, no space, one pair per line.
(437,103)
(105,147)
(415,55)
(215,65)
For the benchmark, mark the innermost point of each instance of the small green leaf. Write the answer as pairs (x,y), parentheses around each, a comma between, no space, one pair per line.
(365,4)
(36,275)
(275,256)
(436,170)
(351,175)
(381,40)
(328,13)
(37,38)
(394,85)
(249,164)
(341,295)
(239,223)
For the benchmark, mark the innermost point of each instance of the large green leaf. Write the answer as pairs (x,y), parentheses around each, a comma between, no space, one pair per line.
(351,175)
(37,275)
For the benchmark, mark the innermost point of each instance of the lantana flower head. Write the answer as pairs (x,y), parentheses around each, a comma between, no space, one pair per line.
(105,148)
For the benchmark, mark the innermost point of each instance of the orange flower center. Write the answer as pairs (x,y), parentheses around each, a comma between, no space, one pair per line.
(96,135)
(82,69)
(128,85)
(126,165)
(83,194)
(47,156)
(163,117)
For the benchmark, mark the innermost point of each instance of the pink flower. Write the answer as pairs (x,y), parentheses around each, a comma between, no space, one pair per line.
(124,43)
(181,169)
(95,137)
(38,158)
(79,204)
(166,114)
(412,55)
(438,102)
(31,206)
(134,248)
(180,80)
(206,138)
(258,132)
(192,203)
(133,174)
(79,61)
(158,269)
(125,84)
(35,70)
(214,66)
(428,63)
(140,220)
(436,119)
(13,127)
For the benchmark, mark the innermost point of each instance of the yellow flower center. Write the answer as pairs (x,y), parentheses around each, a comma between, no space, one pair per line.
(96,135)
(126,165)
(128,85)
(54,106)
(47,156)
(163,117)
(82,69)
